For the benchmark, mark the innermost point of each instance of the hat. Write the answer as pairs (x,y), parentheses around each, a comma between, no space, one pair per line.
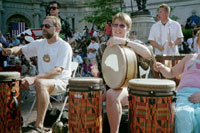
(76,51)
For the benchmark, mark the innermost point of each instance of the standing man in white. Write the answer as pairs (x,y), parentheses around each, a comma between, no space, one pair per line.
(166,34)
(54,66)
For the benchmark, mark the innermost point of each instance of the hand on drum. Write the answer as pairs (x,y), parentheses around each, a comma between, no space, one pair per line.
(158,66)
(27,81)
(195,98)
(115,41)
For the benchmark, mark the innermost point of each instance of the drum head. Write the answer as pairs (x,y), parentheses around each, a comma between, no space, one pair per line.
(119,64)
(85,83)
(9,76)
(152,84)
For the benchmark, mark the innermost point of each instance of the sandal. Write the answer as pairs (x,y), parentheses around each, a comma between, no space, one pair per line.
(32,128)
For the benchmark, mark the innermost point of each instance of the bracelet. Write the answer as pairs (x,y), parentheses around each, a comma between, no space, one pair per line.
(126,43)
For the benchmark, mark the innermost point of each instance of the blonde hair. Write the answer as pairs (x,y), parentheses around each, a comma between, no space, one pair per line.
(165,7)
(124,18)
(56,20)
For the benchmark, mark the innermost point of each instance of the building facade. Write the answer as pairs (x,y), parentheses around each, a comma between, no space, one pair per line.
(32,12)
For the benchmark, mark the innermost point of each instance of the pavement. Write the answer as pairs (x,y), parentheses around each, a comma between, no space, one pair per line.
(27,99)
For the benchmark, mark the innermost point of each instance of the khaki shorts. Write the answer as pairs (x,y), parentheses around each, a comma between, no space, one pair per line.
(59,86)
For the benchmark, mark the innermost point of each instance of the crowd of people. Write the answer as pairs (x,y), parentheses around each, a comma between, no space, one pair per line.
(165,36)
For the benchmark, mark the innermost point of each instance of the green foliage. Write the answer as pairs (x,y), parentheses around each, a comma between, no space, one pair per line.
(187,33)
(173,17)
(104,11)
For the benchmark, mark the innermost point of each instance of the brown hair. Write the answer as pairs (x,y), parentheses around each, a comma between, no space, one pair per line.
(165,7)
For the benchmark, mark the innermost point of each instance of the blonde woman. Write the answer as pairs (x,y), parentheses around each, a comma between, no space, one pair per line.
(115,98)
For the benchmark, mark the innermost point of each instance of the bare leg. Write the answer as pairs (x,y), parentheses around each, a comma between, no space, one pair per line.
(114,100)
(43,88)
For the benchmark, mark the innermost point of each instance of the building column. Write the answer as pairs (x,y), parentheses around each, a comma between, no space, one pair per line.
(36,20)
(36,14)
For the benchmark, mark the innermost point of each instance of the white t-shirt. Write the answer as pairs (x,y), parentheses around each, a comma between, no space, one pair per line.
(51,55)
(162,33)
(92,56)
(78,59)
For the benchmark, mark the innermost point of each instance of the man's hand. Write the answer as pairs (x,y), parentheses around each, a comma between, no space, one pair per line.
(171,44)
(27,81)
(7,51)
(161,47)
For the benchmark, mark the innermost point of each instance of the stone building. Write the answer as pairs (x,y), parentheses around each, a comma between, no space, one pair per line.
(32,12)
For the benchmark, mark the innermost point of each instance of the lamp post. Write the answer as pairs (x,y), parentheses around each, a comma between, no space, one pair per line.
(131,5)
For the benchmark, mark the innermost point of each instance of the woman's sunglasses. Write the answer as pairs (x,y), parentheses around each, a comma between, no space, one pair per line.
(47,26)
(122,26)
(53,7)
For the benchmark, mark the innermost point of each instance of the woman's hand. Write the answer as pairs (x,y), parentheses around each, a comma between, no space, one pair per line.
(158,66)
(115,41)
(195,98)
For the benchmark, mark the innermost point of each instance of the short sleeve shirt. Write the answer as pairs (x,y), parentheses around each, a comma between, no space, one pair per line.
(50,55)
(162,34)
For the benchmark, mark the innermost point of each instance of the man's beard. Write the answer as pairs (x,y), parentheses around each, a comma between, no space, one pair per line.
(47,35)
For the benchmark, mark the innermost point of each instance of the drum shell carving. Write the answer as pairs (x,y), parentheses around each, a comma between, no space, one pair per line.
(10,114)
(151,105)
(85,105)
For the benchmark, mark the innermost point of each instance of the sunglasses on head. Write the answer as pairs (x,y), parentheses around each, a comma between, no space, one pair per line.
(47,26)
(122,26)
(53,7)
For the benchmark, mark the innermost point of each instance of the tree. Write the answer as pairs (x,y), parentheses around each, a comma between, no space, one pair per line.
(103,13)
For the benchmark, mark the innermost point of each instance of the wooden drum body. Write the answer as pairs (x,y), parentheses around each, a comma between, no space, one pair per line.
(85,105)
(119,65)
(10,116)
(151,105)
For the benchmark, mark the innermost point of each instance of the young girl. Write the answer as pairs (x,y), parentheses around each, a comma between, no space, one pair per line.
(187,110)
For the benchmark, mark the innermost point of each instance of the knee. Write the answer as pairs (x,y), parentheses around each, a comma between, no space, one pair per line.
(39,85)
(184,113)
(111,96)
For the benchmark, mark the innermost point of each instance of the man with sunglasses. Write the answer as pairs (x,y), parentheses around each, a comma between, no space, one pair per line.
(54,9)
(54,66)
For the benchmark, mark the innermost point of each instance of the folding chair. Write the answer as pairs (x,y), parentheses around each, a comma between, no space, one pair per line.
(74,66)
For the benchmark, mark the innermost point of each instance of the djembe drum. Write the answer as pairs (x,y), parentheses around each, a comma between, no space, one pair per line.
(10,115)
(151,105)
(85,105)
(119,65)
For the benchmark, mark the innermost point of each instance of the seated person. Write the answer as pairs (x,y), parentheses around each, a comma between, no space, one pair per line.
(115,98)
(92,48)
(86,68)
(54,66)
(187,109)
